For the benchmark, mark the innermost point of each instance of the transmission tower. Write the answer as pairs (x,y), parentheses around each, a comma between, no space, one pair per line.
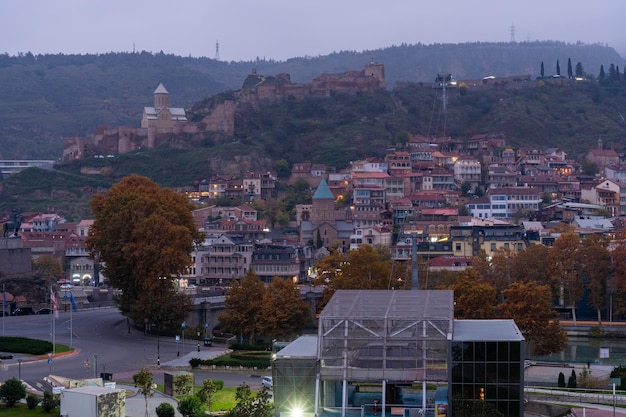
(217,50)
(513,30)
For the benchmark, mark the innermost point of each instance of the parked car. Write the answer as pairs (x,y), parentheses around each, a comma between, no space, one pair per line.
(266,381)
(22,311)
(44,310)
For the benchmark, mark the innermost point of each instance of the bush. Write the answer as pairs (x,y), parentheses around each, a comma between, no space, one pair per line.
(245,346)
(571,381)
(12,391)
(49,403)
(618,371)
(561,382)
(165,410)
(32,401)
(191,407)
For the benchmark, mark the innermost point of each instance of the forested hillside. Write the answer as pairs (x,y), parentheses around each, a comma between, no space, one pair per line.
(47,97)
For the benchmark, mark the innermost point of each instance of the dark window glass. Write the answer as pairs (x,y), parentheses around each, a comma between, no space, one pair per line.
(515,350)
(503,351)
(479,372)
(503,373)
(514,372)
(479,351)
(468,351)
(457,373)
(492,373)
(492,353)
(468,372)
(491,392)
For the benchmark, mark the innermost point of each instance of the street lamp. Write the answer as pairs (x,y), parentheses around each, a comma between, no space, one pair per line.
(95,365)
(19,369)
(182,325)
(158,343)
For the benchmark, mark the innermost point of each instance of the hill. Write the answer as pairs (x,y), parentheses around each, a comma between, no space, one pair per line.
(334,130)
(47,97)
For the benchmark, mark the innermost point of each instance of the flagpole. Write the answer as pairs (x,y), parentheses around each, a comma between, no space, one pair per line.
(71,321)
(4,307)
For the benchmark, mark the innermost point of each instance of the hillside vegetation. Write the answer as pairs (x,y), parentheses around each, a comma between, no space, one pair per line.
(47,97)
(561,113)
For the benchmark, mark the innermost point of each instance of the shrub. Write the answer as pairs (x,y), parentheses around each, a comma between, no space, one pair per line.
(32,401)
(245,346)
(561,382)
(49,403)
(12,391)
(191,407)
(618,371)
(165,410)
(571,381)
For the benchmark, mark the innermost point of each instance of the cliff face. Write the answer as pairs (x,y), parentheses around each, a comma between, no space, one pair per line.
(220,116)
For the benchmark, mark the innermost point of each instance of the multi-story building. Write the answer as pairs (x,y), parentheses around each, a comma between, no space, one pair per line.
(468,170)
(505,202)
(225,258)
(372,235)
(291,262)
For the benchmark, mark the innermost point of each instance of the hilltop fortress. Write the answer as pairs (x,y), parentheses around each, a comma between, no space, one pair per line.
(162,125)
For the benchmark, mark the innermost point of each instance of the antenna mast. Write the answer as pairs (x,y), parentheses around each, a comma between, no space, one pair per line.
(513,30)
(217,50)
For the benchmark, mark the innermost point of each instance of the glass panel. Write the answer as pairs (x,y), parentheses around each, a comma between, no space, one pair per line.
(492,373)
(492,353)
(479,372)
(503,373)
(514,372)
(479,351)
(503,351)
(468,351)
(491,392)
(515,348)
(468,372)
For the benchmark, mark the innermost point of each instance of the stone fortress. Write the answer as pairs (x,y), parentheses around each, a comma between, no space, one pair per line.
(162,125)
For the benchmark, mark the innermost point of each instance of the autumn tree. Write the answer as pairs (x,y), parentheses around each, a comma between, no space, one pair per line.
(366,268)
(618,280)
(473,298)
(594,263)
(283,312)
(243,304)
(530,264)
(563,269)
(144,235)
(529,305)
(48,266)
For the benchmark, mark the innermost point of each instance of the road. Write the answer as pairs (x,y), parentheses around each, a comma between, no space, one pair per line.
(103,343)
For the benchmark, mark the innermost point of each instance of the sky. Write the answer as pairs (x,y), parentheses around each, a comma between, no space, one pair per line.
(283,29)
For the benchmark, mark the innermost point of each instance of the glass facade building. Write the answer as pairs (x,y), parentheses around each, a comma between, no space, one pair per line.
(487,366)
(385,352)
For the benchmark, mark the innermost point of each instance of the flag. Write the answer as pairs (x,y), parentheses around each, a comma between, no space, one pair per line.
(74,306)
(53,301)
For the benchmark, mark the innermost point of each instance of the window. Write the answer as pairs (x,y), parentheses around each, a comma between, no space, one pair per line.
(493,246)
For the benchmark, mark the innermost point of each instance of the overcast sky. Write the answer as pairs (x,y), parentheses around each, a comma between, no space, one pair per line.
(282,29)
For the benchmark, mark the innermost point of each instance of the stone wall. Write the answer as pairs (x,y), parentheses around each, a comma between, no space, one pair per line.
(15,260)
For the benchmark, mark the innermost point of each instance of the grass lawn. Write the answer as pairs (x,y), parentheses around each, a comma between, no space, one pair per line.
(224,399)
(20,410)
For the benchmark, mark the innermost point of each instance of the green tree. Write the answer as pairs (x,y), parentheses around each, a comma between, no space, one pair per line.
(283,313)
(465,188)
(144,235)
(249,405)
(570,71)
(165,410)
(183,384)
(529,304)
(558,68)
(144,381)
(580,71)
(12,391)
(207,392)
(282,168)
(191,406)
(473,298)
(49,402)
(561,380)
(243,306)
(602,75)
(590,168)
(32,401)
(571,381)
(541,71)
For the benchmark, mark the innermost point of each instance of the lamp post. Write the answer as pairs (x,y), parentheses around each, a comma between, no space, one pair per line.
(158,343)
(182,325)
(19,369)
(95,365)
